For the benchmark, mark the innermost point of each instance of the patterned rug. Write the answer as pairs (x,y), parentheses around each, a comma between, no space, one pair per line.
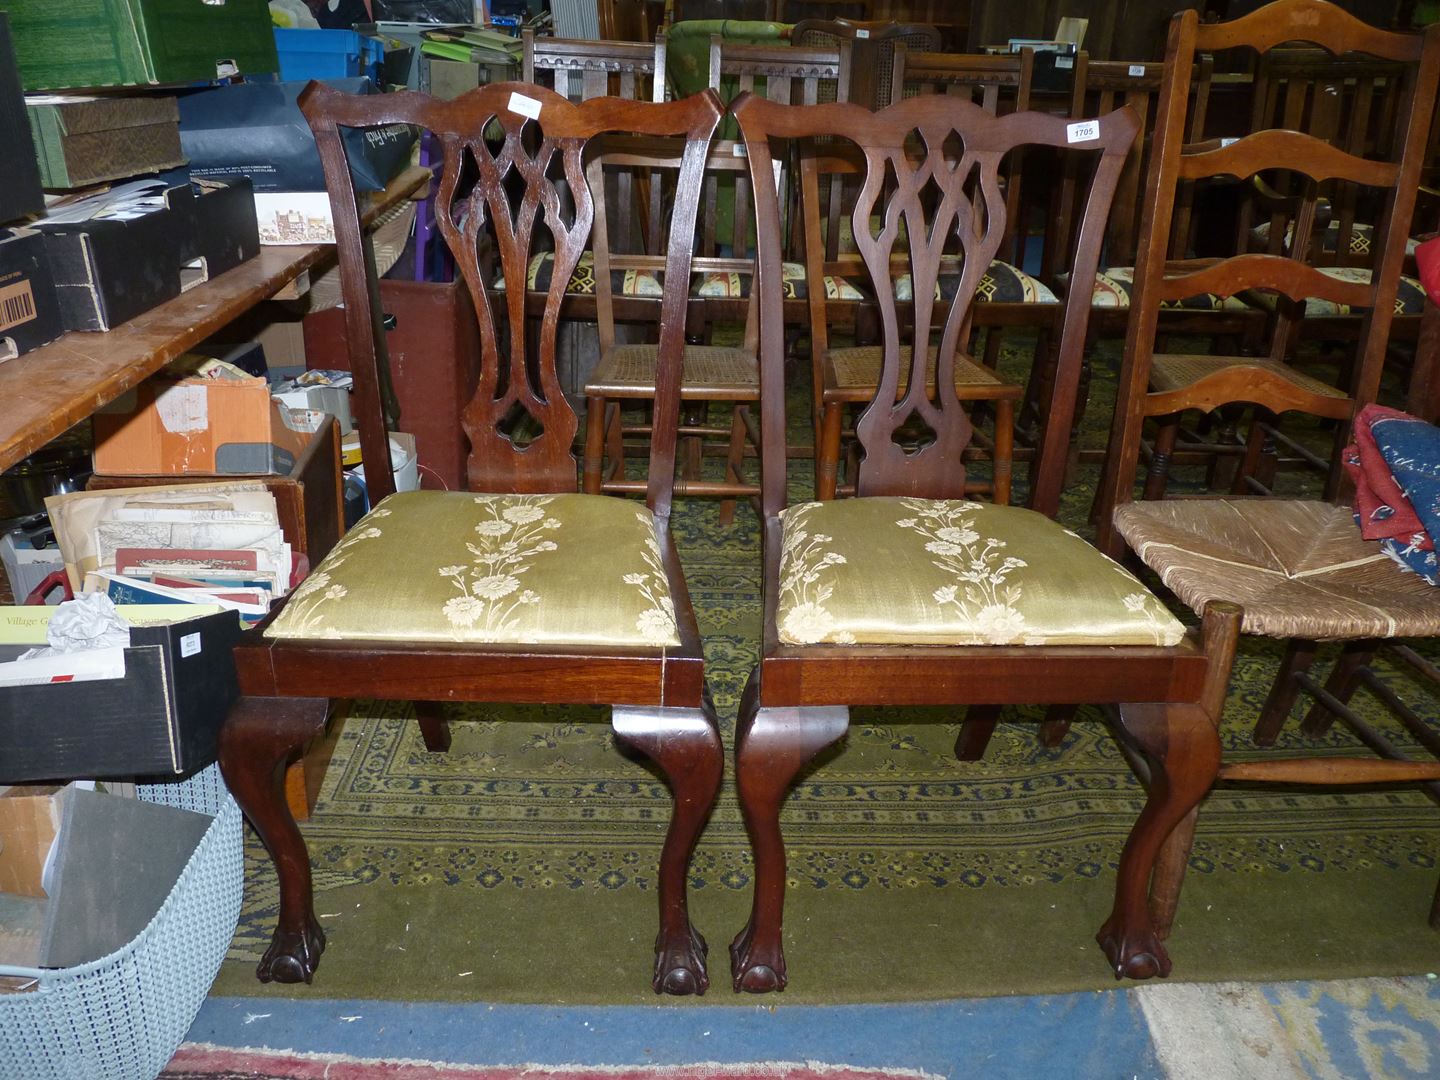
(530,848)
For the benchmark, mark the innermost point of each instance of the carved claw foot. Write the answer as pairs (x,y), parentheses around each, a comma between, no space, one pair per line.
(756,968)
(1133,954)
(680,964)
(292,957)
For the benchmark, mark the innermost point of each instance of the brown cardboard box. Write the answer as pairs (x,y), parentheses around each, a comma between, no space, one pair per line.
(218,426)
(29,820)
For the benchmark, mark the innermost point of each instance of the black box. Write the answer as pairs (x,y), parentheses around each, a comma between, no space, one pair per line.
(162,719)
(29,311)
(108,271)
(218,230)
(20,193)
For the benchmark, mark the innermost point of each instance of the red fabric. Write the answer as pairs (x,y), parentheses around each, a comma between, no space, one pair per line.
(1375,487)
(1427,256)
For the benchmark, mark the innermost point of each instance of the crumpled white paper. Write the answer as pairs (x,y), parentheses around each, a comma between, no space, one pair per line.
(90,621)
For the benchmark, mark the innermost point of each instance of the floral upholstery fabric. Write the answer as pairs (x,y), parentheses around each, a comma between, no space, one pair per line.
(1409,296)
(1001,284)
(952,572)
(733,285)
(1362,237)
(1114,284)
(582,281)
(449,566)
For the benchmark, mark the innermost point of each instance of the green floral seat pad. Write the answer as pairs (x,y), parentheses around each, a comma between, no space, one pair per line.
(870,571)
(443,566)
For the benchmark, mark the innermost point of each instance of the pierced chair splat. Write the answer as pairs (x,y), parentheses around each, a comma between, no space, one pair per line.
(521,589)
(875,600)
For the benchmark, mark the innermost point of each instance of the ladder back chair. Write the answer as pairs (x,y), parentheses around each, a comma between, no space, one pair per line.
(872,600)
(1298,568)
(520,589)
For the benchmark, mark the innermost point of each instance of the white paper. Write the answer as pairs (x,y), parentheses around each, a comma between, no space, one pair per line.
(525,106)
(1082,131)
(85,666)
(1137,70)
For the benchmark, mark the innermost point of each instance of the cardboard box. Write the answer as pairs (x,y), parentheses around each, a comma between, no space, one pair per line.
(330,400)
(20,192)
(29,309)
(448,79)
(307,499)
(108,271)
(29,823)
(218,230)
(85,43)
(217,427)
(162,718)
(85,140)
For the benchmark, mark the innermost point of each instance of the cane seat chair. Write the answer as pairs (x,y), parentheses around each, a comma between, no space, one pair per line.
(872,55)
(867,600)
(520,589)
(1298,568)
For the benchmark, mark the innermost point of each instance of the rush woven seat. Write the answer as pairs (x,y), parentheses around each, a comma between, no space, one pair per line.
(1297,567)
(709,371)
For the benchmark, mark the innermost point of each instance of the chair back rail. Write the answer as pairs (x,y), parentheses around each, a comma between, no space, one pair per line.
(1316,23)
(509,152)
(931,171)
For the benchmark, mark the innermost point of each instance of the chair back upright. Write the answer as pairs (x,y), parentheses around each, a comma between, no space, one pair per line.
(1100,87)
(512,153)
(1313,160)
(929,174)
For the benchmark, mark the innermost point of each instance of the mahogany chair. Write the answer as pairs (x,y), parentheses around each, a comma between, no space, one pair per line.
(872,55)
(720,287)
(521,589)
(1298,568)
(1008,296)
(874,600)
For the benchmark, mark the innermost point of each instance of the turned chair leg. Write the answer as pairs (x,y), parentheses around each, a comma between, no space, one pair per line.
(1158,475)
(260,738)
(976,731)
(685,744)
(771,747)
(734,456)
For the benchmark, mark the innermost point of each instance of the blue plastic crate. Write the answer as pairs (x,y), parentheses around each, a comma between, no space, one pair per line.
(327,54)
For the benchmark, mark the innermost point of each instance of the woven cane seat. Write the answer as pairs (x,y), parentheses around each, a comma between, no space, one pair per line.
(629,371)
(1175,371)
(1299,568)
(858,368)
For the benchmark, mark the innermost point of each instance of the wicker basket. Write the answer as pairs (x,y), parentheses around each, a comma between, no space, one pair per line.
(123,1016)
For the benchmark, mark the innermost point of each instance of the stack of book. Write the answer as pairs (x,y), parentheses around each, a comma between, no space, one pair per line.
(473,44)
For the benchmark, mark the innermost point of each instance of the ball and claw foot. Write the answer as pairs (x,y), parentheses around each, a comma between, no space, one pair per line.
(292,957)
(756,969)
(1133,955)
(680,964)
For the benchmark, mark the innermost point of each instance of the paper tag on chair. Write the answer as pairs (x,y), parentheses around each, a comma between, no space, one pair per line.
(1083,131)
(525,106)
(862,33)
(1136,70)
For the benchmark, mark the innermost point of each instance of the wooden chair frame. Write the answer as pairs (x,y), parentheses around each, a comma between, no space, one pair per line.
(1331,28)
(658,694)
(1173,162)
(873,43)
(797,701)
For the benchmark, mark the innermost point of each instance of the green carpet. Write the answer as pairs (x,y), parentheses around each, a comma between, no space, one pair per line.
(521,865)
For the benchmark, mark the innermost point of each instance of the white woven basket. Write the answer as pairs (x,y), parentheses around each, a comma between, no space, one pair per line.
(122,1017)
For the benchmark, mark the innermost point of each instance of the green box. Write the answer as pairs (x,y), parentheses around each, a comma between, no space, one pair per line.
(86,140)
(88,43)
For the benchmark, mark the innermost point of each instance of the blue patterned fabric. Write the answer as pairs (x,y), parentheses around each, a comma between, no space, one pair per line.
(1411,449)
